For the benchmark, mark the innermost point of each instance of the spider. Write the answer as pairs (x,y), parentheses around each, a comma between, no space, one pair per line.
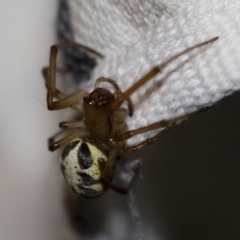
(89,154)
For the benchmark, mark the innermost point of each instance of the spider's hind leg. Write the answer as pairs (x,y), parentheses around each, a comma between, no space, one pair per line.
(107,174)
(145,143)
(54,145)
(161,124)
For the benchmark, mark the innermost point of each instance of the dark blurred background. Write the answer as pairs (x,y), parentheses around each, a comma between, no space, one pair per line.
(191,177)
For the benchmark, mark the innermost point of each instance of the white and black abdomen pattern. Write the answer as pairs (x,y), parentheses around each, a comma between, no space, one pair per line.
(81,165)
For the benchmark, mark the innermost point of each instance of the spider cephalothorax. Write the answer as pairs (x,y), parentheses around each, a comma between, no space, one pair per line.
(90,152)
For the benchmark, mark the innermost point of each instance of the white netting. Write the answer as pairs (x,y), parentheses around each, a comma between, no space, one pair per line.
(136,35)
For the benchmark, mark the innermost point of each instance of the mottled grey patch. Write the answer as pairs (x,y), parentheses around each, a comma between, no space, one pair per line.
(68,148)
(84,155)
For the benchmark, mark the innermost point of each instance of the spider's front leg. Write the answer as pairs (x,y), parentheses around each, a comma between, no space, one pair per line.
(58,94)
(153,72)
(53,92)
(64,101)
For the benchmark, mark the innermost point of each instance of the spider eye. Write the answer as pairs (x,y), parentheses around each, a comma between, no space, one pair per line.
(81,164)
(99,97)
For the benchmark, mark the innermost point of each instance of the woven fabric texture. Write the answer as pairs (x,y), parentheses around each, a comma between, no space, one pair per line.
(136,35)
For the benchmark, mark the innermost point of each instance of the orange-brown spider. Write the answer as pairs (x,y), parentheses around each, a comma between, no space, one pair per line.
(89,155)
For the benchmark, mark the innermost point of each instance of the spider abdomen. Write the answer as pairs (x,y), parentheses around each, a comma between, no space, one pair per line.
(81,164)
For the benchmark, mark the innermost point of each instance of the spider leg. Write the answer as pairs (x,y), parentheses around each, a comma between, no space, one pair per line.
(117,102)
(107,171)
(51,140)
(116,188)
(58,94)
(161,124)
(65,126)
(118,92)
(71,125)
(73,98)
(145,143)
(67,139)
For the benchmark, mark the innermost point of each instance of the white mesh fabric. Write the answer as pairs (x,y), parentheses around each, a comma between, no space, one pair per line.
(136,35)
